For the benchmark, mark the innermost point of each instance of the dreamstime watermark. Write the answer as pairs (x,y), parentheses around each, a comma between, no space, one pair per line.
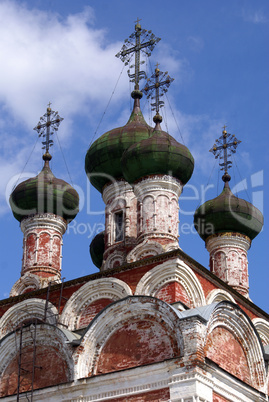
(191,197)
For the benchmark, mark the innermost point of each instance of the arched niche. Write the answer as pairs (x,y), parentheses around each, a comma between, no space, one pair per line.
(147,248)
(26,283)
(219,295)
(43,348)
(262,328)
(115,259)
(135,331)
(27,310)
(172,271)
(104,290)
(233,343)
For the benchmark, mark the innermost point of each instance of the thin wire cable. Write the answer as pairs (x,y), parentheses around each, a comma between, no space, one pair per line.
(242,180)
(94,135)
(165,119)
(236,192)
(25,164)
(175,119)
(130,99)
(218,181)
(208,181)
(211,173)
(64,158)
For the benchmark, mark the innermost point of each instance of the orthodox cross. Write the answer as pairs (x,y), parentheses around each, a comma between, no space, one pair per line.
(159,83)
(48,123)
(225,143)
(140,40)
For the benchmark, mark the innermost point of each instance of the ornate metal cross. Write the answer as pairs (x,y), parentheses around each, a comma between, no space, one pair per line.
(48,123)
(140,40)
(221,148)
(159,85)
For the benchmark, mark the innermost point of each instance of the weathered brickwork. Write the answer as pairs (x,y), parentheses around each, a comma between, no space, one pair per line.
(133,277)
(228,259)
(135,344)
(50,369)
(42,245)
(225,350)
(173,292)
(218,398)
(206,284)
(90,311)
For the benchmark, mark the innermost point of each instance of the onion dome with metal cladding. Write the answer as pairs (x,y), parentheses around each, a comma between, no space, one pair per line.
(97,248)
(44,194)
(228,213)
(103,159)
(159,154)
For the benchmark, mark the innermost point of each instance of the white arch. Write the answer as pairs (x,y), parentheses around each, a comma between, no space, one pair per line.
(262,328)
(26,310)
(31,281)
(172,271)
(116,256)
(146,248)
(218,295)
(233,319)
(110,288)
(28,280)
(114,317)
(46,335)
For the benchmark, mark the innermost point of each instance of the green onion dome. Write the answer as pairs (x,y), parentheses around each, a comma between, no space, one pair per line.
(103,159)
(159,154)
(44,194)
(97,248)
(227,213)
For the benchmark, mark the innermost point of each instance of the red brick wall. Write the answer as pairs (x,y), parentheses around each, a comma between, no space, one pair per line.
(133,276)
(51,369)
(206,284)
(226,351)
(159,395)
(173,292)
(134,344)
(218,398)
(30,247)
(90,311)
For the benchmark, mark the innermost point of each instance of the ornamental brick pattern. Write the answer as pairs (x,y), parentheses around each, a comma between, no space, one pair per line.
(42,245)
(228,259)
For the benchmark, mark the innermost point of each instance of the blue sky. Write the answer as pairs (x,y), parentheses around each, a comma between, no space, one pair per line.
(64,52)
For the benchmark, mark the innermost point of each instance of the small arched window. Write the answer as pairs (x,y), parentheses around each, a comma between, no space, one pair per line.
(119,226)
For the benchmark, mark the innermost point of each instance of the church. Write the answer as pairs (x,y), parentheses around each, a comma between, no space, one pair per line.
(153,324)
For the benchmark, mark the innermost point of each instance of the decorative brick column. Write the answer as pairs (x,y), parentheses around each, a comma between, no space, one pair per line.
(42,245)
(158,219)
(228,259)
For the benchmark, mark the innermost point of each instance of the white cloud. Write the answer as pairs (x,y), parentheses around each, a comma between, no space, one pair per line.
(196,43)
(48,59)
(256,17)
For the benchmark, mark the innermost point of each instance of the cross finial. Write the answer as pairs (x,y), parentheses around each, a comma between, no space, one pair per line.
(221,148)
(140,40)
(156,87)
(138,20)
(48,123)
